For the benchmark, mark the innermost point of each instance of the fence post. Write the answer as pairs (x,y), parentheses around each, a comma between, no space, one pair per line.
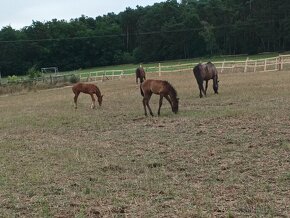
(233,67)
(281,62)
(255,68)
(246,65)
(265,66)
(159,69)
(223,64)
(121,74)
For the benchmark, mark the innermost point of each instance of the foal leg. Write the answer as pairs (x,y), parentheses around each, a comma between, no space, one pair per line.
(160,104)
(147,103)
(76,99)
(144,105)
(93,106)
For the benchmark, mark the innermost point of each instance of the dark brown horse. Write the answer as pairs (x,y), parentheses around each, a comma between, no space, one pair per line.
(90,89)
(140,73)
(162,88)
(206,72)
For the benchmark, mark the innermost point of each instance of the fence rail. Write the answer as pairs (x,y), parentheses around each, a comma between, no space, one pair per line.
(281,62)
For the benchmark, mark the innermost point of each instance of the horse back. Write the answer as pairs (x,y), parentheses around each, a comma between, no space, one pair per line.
(140,72)
(204,72)
(155,86)
(211,70)
(199,73)
(85,88)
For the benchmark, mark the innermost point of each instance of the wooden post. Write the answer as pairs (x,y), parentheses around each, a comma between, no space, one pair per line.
(281,62)
(246,65)
(276,66)
(121,74)
(255,68)
(223,64)
(159,69)
(265,66)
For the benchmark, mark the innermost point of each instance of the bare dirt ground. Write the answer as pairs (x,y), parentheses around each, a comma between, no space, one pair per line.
(225,155)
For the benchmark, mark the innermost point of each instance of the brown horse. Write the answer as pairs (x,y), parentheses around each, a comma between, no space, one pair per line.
(90,89)
(162,88)
(140,73)
(206,72)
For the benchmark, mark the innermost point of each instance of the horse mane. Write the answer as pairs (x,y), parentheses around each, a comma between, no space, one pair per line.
(171,88)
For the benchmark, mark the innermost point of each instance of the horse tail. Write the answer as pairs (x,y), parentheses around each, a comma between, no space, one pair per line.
(142,93)
(198,77)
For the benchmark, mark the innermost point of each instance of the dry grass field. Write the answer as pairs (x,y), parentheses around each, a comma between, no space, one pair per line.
(225,155)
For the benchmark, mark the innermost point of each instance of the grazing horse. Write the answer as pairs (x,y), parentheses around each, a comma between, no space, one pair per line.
(90,89)
(140,73)
(206,72)
(162,88)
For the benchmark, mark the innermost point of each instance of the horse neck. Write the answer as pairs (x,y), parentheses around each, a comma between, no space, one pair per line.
(98,93)
(172,94)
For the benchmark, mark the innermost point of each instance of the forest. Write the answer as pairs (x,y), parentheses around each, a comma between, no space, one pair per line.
(164,31)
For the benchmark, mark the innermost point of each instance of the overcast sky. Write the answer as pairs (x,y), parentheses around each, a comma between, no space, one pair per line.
(20,13)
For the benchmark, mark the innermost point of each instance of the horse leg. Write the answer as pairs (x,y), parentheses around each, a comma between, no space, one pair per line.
(206,85)
(93,106)
(147,103)
(160,104)
(76,99)
(144,105)
(200,94)
(201,90)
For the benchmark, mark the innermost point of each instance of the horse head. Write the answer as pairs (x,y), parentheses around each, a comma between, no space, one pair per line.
(175,105)
(215,85)
(100,99)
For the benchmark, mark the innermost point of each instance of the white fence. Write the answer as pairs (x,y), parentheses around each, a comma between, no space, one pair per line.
(281,62)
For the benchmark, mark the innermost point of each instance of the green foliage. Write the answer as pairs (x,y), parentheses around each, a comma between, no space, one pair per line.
(33,72)
(74,78)
(164,31)
(12,79)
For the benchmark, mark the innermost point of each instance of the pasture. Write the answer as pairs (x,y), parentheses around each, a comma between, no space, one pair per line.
(226,155)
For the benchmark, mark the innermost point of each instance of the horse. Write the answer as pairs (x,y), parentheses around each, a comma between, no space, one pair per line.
(206,72)
(140,73)
(90,89)
(161,88)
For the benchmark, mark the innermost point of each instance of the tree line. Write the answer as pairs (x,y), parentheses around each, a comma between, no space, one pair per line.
(168,30)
